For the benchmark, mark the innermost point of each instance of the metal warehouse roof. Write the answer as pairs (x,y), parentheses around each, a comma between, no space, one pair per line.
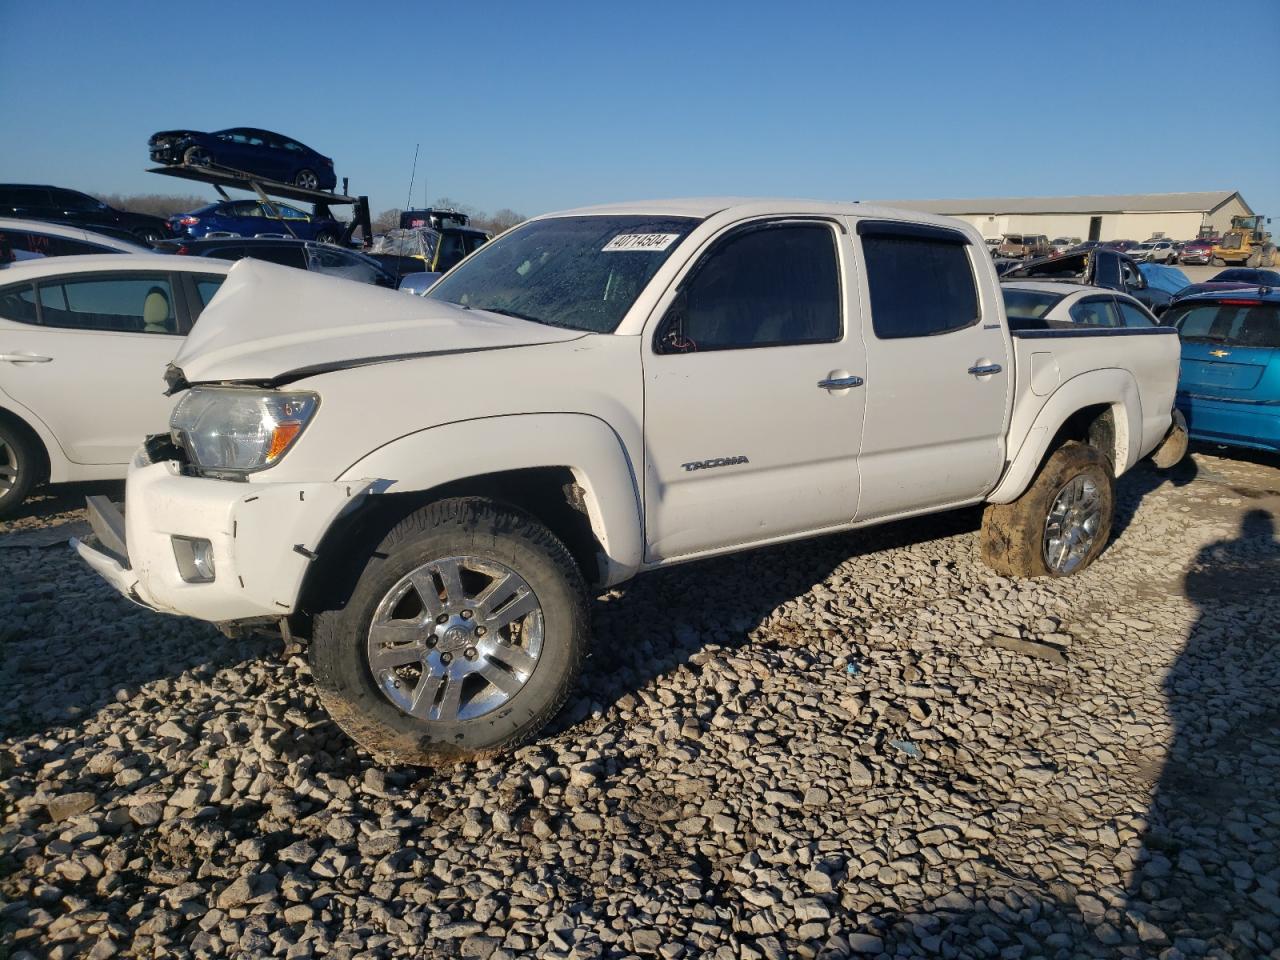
(1205,202)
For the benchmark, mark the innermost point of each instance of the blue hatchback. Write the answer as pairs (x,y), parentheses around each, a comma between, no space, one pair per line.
(1229,388)
(252,218)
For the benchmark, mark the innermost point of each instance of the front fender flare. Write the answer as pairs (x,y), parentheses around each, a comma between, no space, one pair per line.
(586,445)
(1114,387)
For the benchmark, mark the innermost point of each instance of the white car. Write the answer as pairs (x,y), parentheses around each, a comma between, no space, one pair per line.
(1154,251)
(425,488)
(31,239)
(1063,305)
(1063,244)
(84,342)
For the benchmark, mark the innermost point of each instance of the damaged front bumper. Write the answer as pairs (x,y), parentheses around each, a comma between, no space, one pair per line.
(261,539)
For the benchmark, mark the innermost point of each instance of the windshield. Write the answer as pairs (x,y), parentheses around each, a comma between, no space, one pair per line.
(1238,323)
(577,272)
(1028,304)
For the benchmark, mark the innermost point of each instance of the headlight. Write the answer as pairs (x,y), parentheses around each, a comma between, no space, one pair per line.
(236,431)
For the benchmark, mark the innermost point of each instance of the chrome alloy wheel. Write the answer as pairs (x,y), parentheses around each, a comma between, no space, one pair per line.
(455,639)
(8,467)
(1072,525)
(308,180)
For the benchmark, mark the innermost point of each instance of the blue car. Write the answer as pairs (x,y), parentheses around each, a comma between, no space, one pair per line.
(1229,388)
(252,218)
(271,156)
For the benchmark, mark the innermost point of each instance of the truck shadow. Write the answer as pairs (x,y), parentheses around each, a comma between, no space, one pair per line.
(1201,875)
(666,618)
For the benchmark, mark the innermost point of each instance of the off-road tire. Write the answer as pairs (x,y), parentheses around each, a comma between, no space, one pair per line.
(29,465)
(1217,262)
(1013,533)
(463,526)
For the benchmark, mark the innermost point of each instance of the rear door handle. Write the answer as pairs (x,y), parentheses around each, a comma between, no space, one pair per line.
(24,358)
(840,383)
(985,369)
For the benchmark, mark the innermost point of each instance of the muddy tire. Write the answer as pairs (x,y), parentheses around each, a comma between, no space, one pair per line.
(463,637)
(1060,523)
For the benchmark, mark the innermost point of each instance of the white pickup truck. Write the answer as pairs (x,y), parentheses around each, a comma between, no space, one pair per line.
(426,489)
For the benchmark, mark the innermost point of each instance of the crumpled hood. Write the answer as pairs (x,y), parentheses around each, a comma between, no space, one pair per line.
(272,324)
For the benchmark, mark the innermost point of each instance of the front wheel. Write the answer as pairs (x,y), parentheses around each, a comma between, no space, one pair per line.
(1060,523)
(196,157)
(1217,261)
(326,236)
(463,636)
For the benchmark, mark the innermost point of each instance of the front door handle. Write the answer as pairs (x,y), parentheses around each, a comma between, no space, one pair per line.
(24,358)
(985,369)
(840,383)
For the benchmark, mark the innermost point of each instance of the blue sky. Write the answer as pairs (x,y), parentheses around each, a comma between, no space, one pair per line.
(544,106)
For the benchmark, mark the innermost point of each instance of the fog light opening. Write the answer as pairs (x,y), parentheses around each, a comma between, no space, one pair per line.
(195,559)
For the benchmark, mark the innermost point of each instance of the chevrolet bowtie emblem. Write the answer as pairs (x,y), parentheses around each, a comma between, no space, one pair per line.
(1219,353)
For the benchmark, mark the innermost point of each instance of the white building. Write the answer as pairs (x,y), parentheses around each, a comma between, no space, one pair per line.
(1139,216)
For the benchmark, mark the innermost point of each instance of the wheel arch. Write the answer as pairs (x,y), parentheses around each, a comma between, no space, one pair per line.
(1101,408)
(569,471)
(49,458)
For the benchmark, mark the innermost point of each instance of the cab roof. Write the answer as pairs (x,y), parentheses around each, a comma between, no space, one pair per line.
(703,207)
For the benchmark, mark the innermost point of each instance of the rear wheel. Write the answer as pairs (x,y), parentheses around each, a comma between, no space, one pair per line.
(307,180)
(326,236)
(148,235)
(463,636)
(1060,523)
(19,466)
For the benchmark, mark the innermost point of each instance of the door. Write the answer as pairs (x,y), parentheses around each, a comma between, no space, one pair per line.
(1095,228)
(82,209)
(938,371)
(87,355)
(753,396)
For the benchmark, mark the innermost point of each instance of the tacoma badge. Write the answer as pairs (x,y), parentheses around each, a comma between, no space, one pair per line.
(718,462)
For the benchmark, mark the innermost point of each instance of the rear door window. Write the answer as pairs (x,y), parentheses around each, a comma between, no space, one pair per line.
(18,303)
(1095,312)
(1133,315)
(132,304)
(920,286)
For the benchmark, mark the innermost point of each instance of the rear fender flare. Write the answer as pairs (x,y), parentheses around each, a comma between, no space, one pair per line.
(1115,388)
(467,449)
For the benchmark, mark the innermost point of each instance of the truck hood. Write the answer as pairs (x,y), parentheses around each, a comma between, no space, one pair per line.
(273,324)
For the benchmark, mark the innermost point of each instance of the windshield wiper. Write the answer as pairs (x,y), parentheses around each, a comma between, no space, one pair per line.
(513,313)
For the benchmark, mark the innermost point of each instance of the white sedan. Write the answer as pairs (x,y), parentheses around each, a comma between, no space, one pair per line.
(84,343)
(1062,305)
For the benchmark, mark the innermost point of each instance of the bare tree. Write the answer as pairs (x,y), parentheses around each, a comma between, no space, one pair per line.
(503,220)
(387,220)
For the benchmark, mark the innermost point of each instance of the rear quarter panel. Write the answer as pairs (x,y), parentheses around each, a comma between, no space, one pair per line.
(1135,373)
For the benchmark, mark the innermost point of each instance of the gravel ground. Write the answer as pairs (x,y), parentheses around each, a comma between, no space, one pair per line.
(862,745)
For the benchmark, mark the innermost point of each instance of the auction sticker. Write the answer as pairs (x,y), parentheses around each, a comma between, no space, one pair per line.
(639,241)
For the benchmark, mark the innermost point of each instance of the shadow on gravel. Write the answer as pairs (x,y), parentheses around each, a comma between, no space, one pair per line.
(664,619)
(1133,487)
(1206,880)
(1212,847)
(50,501)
